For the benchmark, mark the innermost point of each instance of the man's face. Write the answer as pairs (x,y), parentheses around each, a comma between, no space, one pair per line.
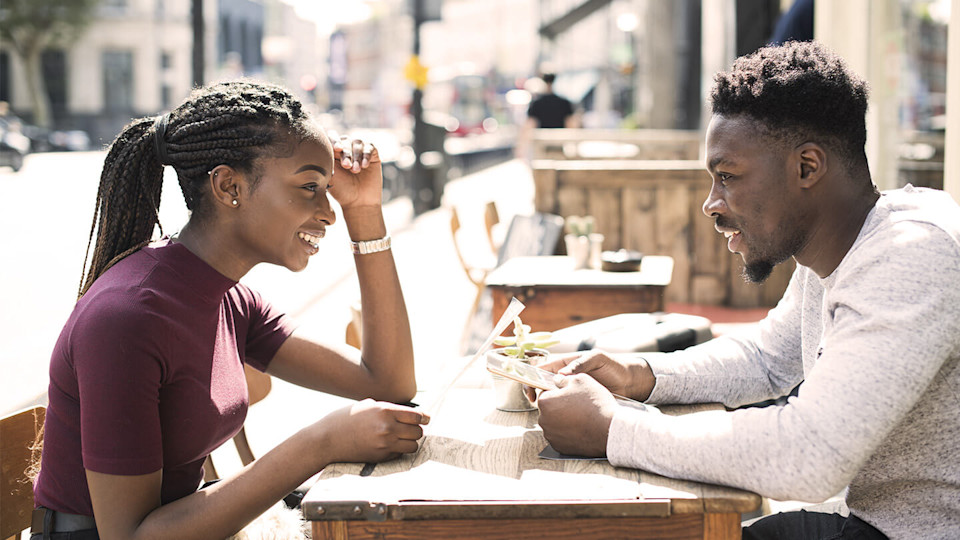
(753,197)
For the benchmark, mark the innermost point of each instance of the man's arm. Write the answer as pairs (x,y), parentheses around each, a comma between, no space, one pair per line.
(890,323)
(741,368)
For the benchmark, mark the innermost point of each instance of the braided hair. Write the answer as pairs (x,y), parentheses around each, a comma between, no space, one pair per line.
(231,123)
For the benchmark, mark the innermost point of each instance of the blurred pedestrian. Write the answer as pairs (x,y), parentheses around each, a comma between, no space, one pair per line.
(147,377)
(547,111)
(796,24)
(550,110)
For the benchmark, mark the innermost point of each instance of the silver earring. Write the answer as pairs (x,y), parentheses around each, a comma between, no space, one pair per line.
(235,202)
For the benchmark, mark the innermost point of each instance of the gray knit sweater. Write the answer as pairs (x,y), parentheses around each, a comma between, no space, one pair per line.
(876,344)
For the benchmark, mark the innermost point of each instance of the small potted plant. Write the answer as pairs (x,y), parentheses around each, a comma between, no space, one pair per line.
(522,346)
(583,244)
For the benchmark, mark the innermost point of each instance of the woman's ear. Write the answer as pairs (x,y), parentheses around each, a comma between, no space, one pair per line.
(812,161)
(226,183)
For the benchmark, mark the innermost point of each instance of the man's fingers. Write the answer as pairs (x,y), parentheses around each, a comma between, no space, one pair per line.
(558,361)
(585,363)
(572,367)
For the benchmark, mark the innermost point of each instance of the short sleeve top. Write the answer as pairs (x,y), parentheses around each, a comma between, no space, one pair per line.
(147,374)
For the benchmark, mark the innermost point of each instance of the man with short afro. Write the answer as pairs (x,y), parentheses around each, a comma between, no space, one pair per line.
(868,331)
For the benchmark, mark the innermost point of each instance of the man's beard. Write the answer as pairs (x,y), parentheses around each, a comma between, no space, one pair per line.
(758,272)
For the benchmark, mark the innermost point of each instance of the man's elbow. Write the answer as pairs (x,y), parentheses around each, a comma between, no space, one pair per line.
(813,486)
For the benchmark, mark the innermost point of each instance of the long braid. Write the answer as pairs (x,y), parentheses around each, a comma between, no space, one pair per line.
(232,123)
(127,200)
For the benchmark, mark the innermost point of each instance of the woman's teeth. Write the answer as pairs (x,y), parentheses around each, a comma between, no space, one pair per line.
(310,239)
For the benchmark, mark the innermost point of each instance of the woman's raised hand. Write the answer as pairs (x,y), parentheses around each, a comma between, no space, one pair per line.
(357,174)
(371,431)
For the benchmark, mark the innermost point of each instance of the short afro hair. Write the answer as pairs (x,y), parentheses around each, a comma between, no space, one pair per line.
(798,91)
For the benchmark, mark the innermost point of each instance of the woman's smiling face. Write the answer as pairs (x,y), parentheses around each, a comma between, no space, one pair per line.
(288,210)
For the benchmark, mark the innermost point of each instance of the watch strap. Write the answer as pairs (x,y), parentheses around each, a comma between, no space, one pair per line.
(370,246)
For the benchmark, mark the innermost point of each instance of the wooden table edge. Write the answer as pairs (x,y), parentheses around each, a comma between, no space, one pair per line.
(428,510)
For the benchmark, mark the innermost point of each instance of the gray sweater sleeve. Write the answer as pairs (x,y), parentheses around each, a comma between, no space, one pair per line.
(738,369)
(867,342)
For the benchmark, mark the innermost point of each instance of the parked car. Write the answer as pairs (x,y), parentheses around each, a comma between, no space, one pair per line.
(73,140)
(14,146)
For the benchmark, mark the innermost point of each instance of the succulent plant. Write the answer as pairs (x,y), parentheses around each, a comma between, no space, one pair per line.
(579,225)
(523,340)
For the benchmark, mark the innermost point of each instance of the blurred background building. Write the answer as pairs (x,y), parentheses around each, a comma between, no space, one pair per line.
(624,63)
(134,58)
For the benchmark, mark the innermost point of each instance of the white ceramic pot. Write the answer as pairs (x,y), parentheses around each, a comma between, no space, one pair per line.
(585,250)
(509,394)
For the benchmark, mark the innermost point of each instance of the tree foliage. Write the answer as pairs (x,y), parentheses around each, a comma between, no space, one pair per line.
(30,26)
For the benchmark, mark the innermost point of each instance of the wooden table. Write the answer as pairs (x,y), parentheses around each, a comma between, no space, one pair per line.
(478,475)
(557,296)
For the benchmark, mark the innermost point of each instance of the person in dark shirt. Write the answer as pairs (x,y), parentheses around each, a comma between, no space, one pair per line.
(548,111)
(794,25)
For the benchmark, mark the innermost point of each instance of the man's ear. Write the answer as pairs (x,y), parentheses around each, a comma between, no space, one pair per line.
(226,184)
(811,162)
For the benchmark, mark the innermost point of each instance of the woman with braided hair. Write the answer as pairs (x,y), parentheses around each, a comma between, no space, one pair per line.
(147,379)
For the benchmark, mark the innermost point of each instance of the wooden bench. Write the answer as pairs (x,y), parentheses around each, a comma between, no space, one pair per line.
(654,206)
(616,144)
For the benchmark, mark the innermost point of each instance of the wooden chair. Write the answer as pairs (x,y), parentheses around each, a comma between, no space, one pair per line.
(354,327)
(18,434)
(258,386)
(491,217)
(477,274)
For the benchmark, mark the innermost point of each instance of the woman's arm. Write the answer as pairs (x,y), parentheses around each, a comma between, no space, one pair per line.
(385,368)
(128,507)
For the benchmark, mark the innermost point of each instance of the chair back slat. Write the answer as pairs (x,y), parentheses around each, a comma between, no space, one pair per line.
(18,433)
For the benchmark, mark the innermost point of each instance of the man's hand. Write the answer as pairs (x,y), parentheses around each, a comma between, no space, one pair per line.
(631,378)
(576,417)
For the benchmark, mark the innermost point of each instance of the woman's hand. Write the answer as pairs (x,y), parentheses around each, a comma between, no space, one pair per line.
(357,175)
(371,431)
